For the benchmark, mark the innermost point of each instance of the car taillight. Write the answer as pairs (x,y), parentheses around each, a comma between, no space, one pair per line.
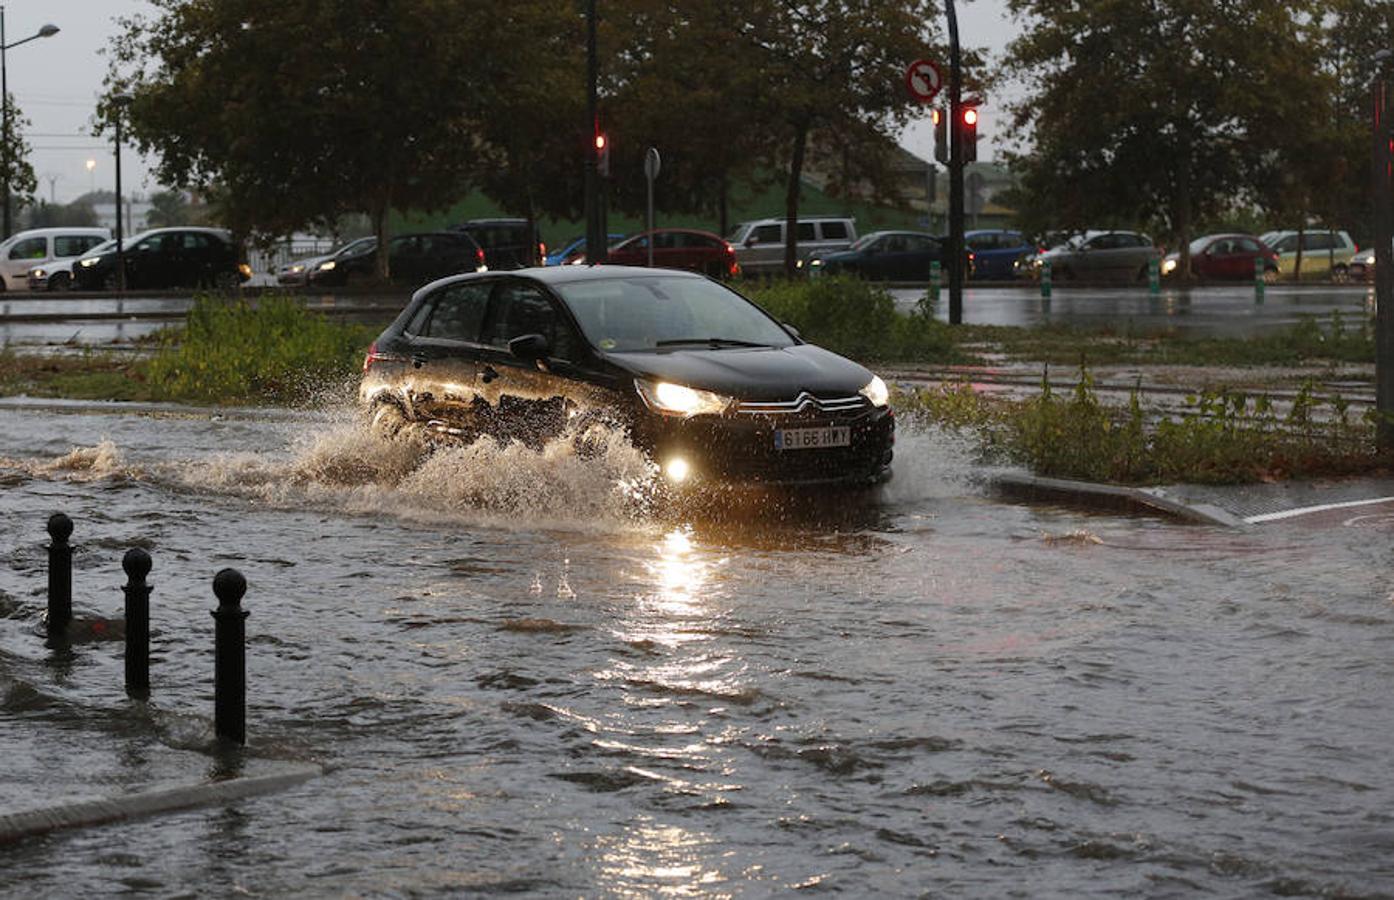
(376,357)
(541,250)
(479,255)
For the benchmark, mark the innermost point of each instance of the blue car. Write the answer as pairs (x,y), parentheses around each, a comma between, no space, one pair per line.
(882,256)
(574,247)
(995,253)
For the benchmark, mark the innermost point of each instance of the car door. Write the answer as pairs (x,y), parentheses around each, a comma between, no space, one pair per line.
(443,351)
(22,256)
(404,259)
(198,259)
(921,250)
(148,262)
(763,248)
(529,400)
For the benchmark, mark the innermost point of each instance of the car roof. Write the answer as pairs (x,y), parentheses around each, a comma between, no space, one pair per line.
(554,275)
(903,231)
(59,229)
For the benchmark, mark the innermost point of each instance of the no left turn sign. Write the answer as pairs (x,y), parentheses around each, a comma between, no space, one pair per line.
(923,80)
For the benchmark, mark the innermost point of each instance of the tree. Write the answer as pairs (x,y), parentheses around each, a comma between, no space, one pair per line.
(14,160)
(167,208)
(291,114)
(53,215)
(1161,112)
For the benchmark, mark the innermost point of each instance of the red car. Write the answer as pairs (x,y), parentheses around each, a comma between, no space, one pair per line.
(678,248)
(1226,257)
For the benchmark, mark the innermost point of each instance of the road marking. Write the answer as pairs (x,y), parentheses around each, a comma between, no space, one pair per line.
(1306,510)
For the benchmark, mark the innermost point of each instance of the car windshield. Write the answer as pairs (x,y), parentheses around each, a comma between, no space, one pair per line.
(356,248)
(864,241)
(655,311)
(102,248)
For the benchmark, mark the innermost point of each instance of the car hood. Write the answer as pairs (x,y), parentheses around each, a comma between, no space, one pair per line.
(828,256)
(751,373)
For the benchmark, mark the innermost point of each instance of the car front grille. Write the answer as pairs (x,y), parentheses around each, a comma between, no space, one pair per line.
(807,405)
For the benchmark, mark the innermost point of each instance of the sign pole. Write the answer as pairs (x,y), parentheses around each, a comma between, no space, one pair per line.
(1382,194)
(955,169)
(652,163)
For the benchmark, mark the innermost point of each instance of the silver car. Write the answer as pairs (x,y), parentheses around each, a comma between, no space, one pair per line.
(1101,256)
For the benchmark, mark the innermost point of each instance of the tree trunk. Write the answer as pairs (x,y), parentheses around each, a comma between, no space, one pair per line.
(1297,263)
(791,200)
(380,267)
(1183,211)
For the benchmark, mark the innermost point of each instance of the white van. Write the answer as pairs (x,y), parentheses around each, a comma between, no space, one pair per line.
(37,246)
(759,245)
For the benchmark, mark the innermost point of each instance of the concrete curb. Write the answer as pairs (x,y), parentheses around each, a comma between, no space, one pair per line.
(84,813)
(1110,497)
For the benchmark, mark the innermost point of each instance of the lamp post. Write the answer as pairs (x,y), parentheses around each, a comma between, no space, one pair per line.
(46,31)
(119,103)
(1382,196)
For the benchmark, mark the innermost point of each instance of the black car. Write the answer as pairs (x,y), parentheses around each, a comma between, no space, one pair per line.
(883,256)
(167,258)
(708,383)
(507,243)
(412,259)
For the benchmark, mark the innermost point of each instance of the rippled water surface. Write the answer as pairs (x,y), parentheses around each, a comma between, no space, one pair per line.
(521,676)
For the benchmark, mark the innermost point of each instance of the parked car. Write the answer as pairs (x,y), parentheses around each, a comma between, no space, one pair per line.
(709,384)
(507,243)
(57,275)
(997,253)
(1226,257)
(412,259)
(676,248)
(1101,256)
(297,271)
(167,258)
(760,244)
(882,256)
(574,248)
(1362,264)
(40,246)
(1325,253)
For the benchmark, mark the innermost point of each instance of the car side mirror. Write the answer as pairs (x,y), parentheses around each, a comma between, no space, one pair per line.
(530,347)
(749,241)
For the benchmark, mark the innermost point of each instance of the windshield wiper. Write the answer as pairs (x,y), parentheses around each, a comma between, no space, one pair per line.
(714,342)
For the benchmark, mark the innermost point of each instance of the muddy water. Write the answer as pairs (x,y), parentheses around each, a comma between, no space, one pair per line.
(521,677)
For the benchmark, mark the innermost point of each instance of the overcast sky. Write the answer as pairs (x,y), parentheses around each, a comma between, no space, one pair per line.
(55,82)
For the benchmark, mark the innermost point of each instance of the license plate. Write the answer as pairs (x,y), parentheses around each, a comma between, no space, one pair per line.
(812,438)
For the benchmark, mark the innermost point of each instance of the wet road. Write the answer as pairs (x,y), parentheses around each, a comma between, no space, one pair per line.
(1211,310)
(522,680)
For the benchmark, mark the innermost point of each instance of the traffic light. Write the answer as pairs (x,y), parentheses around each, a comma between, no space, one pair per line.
(602,155)
(941,135)
(968,134)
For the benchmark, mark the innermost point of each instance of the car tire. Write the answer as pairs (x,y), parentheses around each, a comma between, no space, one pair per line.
(226,281)
(1270,276)
(1340,275)
(387,421)
(60,281)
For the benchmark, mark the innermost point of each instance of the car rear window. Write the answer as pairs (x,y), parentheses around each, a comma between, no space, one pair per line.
(834,231)
(456,313)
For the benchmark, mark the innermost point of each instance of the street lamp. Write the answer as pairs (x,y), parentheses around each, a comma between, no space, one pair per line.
(46,31)
(119,103)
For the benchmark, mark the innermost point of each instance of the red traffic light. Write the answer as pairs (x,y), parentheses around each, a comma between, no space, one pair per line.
(970,116)
(600,142)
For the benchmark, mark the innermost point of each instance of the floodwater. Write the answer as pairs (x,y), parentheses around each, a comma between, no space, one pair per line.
(521,678)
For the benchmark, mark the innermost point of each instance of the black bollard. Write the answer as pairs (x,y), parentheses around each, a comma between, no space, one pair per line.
(137,566)
(60,575)
(230,658)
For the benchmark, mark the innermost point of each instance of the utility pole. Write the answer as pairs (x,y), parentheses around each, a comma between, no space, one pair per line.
(596,244)
(1382,192)
(955,169)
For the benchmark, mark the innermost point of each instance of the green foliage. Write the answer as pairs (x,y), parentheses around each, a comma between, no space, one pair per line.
(856,319)
(52,215)
(1216,437)
(270,351)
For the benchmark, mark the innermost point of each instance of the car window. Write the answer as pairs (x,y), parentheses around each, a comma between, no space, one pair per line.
(918,243)
(195,241)
(30,248)
(520,309)
(74,244)
(1102,242)
(768,234)
(456,312)
(1319,240)
(805,231)
(666,240)
(834,231)
(628,314)
(983,242)
(1246,245)
(1287,244)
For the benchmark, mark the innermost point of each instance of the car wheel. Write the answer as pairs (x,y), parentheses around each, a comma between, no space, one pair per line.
(60,281)
(1270,276)
(109,282)
(226,281)
(387,421)
(1340,275)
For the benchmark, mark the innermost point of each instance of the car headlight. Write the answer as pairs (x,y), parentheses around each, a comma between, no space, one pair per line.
(876,391)
(38,273)
(244,270)
(296,269)
(89,262)
(679,400)
(327,266)
(1168,266)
